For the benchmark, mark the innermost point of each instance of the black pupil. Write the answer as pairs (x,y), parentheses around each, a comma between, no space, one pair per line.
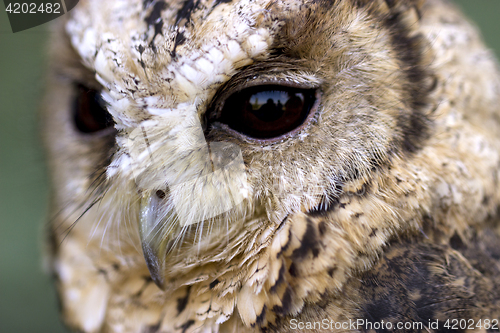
(90,115)
(267,111)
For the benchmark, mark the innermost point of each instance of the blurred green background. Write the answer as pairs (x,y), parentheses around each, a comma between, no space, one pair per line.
(27,298)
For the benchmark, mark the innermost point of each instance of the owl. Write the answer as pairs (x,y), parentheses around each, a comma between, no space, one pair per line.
(273,166)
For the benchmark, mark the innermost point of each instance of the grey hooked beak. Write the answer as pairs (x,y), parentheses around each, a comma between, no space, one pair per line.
(156,235)
(218,187)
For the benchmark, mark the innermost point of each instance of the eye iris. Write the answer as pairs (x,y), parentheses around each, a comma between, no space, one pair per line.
(89,114)
(267,112)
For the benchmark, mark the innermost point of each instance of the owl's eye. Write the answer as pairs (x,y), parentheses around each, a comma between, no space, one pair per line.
(266,112)
(90,115)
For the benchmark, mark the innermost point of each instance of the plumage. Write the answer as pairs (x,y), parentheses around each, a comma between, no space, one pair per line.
(178,207)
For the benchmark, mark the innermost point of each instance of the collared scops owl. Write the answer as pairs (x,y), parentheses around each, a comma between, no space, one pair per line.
(273,166)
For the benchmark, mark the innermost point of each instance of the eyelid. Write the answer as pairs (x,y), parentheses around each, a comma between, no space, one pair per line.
(302,81)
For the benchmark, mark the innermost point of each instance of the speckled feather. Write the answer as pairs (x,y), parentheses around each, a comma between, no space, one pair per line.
(384,206)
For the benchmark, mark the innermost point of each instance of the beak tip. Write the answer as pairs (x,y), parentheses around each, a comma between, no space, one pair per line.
(156,269)
(159,281)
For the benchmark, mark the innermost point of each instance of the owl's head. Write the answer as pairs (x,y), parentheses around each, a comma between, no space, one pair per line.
(201,139)
(202,124)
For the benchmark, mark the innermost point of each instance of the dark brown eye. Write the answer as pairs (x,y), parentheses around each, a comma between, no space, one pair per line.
(266,112)
(90,115)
